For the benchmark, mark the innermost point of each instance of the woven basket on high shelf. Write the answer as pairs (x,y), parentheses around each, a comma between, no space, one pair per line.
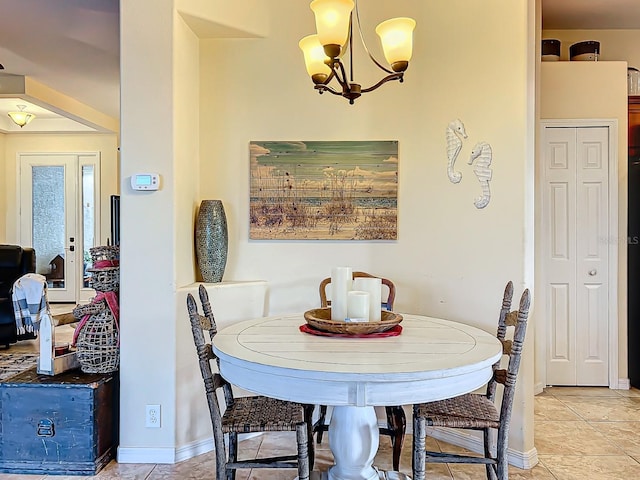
(97,345)
(105,279)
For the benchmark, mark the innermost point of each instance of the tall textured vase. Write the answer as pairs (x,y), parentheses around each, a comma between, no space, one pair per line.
(212,240)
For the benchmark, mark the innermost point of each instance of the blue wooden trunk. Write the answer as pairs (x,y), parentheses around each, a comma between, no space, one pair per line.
(63,425)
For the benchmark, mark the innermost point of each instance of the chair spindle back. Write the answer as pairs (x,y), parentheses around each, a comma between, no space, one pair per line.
(212,381)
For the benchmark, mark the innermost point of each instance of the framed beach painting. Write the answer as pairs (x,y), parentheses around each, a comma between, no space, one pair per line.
(323,190)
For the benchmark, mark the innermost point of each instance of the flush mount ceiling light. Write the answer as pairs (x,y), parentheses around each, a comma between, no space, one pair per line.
(21,118)
(334,25)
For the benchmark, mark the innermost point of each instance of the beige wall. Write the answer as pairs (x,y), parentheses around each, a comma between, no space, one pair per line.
(148,255)
(615,45)
(595,90)
(105,144)
(450,259)
(442,84)
(160,132)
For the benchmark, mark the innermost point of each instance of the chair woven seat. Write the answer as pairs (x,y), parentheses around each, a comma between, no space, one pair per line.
(261,414)
(466,411)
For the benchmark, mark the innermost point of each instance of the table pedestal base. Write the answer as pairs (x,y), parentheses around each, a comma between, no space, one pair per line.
(353,440)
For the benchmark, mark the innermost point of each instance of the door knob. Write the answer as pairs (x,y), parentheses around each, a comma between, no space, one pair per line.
(593,272)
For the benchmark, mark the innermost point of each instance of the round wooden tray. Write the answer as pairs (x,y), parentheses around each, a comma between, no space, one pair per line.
(320,319)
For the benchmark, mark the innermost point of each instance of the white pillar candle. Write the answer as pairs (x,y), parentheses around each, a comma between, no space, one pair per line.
(341,280)
(374,287)
(358,306)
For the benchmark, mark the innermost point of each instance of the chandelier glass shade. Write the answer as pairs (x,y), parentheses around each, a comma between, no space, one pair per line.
(21,118)
(335,28)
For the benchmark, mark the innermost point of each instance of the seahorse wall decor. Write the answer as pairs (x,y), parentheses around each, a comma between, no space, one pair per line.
(482,155)
(455,134)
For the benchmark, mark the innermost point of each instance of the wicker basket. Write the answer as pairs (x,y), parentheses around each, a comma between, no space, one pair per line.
(320,319)
(105,279)
(97,346)
(90,309)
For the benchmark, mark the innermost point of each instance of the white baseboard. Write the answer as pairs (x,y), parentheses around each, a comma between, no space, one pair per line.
(146,455)
(523,460)
(194,449)
(166,455)
(623,384)
(169,455)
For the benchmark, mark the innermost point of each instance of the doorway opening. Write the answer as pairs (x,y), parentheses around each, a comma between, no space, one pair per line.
(59,218)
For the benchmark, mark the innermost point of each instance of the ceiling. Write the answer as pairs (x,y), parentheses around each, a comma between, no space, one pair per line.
(72,46)
(590,14)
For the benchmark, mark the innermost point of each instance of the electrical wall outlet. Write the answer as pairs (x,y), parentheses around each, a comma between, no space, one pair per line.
(152,417)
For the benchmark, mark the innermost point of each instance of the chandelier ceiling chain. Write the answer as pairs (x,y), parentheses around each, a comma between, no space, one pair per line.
(334,25)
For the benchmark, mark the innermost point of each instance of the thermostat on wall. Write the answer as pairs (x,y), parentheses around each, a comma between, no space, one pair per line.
(145,181)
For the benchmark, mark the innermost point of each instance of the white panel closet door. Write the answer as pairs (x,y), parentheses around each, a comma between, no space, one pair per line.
(575,225)
(592,173)
(560,256)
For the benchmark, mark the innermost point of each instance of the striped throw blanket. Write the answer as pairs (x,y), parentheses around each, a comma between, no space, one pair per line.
(29,302)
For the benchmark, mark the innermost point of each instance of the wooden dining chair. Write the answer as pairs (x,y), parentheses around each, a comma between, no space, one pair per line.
(396,419)
(254,414)
(478,411)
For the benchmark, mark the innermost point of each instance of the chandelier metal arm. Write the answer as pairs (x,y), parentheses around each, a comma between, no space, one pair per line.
(339,72)
(326,88)
(364,44)
(394,76)
(331,76)
(351,91)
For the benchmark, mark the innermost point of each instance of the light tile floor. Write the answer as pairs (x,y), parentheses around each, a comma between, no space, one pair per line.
(580,433)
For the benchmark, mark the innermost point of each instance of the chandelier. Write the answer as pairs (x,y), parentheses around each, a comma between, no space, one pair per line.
(334,25)
(21,118)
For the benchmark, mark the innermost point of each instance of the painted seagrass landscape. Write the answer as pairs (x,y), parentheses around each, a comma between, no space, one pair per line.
(324,190)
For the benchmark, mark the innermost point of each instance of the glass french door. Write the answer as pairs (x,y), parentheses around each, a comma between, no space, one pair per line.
(59,205)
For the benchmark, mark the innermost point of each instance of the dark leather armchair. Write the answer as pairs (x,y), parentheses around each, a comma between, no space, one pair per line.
(15,261)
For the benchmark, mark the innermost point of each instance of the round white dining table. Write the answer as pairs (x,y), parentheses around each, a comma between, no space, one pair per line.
(431,359)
